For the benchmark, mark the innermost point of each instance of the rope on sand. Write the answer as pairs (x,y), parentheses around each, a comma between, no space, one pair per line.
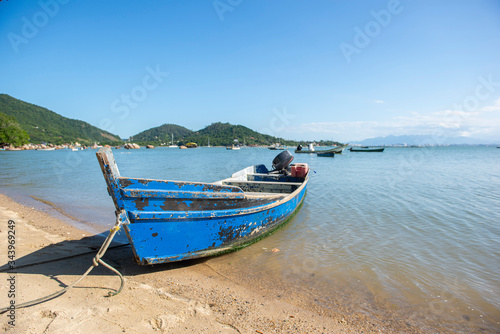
(95,262)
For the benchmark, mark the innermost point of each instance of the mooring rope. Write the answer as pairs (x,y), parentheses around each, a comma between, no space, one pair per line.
(95,262)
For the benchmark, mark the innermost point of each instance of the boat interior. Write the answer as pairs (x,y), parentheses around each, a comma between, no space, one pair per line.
(252,186)
(259,180)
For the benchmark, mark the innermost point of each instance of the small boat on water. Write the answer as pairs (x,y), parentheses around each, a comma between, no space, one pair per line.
(322,153)
(366,149)
(277,146)
(300,149)
(326,154)
(233,147)
(331,152)
(168,221)
(172,143)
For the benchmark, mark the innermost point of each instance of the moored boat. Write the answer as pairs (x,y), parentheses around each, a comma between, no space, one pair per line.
(300,149)
(172,143)
(366,149)
(168,221)
(331,152)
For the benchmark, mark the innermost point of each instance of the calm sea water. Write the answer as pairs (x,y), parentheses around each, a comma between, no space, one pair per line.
(414,229)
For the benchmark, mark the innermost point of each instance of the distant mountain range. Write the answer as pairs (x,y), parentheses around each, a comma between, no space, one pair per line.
(421,140)
(44,125)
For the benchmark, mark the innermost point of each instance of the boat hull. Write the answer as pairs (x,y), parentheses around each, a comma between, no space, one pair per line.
(168,240)
(327,154)
(352,149)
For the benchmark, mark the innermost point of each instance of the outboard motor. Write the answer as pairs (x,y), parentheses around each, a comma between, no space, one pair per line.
(282,160)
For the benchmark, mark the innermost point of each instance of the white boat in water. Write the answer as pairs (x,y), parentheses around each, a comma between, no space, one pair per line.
(172,143)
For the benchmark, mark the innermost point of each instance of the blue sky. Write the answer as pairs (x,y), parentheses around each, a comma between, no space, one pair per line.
(340,70)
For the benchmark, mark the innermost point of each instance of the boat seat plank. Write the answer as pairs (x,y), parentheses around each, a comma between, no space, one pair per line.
(260,177)
(263,194)
(264,186)
(178,194)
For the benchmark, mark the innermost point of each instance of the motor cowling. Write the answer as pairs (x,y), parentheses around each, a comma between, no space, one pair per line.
(282,160)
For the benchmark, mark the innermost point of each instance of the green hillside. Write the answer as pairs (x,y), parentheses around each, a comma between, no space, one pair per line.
(162,134)
(43,125)
(223,134)
(219,134)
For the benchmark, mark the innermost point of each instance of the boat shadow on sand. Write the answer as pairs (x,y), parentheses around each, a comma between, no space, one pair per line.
(73,257)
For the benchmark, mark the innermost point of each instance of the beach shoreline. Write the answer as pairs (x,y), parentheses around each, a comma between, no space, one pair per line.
(199,296)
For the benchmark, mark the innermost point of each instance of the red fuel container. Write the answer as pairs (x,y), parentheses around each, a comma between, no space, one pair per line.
(300,170)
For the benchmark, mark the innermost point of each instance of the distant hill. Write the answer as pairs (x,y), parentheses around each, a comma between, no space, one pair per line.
(421,140)
(222,134)
(43,125)
(162,134)
(219,134)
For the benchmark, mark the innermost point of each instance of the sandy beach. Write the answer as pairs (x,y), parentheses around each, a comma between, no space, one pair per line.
(188,297)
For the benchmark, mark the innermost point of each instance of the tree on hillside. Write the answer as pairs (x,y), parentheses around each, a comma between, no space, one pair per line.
(11,132)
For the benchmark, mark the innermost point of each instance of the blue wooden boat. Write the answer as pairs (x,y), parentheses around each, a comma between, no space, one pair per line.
(168,221)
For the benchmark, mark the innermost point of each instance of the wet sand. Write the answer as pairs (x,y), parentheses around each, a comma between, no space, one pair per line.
(201,296)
